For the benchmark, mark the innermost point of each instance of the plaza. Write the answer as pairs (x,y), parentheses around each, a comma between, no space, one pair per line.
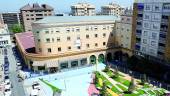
(71,83)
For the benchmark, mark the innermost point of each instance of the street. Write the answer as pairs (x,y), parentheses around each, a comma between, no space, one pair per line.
(17,89)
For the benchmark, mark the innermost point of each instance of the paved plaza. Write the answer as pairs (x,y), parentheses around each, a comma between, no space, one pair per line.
(72,83)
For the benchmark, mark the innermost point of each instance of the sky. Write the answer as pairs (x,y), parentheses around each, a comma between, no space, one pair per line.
(59,6)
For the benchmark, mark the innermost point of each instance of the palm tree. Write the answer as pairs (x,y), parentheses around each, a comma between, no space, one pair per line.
(131,87)
(103,91)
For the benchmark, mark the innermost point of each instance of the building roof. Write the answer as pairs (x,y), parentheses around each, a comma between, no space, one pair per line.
(36,6)
(26,40)
(66,19)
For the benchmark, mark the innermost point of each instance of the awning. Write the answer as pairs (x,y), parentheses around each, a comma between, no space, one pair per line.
(38,63)
(47,63)
(52,64)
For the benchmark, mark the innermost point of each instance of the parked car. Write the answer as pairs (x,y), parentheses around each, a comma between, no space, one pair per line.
(7,91)
(36,85)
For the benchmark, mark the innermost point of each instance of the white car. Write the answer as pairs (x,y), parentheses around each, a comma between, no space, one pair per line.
(7,82)
(34,92)
(7,91)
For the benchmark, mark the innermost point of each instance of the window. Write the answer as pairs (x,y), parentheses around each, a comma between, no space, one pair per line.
(49,50)
(111,34)
(68,30)
(108,27)
(69,48)
(87,45)
(38,32)
(95,28)
(40,50)
(78,47)
(104,34)
(144,41)
(28,19)
(68,38)
(39,40)
(146,16)
(148,7)
(78,37)
(153,43)
(47,32)
(52,39)
(27,14)
(154,35)
(72,29)
(87,36)
(58,39)
(104,43)
(96,44)
(96,35)
(32,18)
(104,27)
(77,29)
(57,31)
(145,33)
(87,28)
(59,49)
(48,40)
(144,49)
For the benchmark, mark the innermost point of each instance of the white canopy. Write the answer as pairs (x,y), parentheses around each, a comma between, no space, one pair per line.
(38,63)
(47,63)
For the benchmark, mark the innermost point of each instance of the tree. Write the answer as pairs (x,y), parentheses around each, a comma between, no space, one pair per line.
(107,68)
(143,79)
(116,73)
(131,87)
(103,91)
(16,28)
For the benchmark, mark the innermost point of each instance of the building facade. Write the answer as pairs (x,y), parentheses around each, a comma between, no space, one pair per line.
(112,9)
(63,42)
(83,9)
(124,30)
(151,28)
(11,18)
(33,13)
(4,36)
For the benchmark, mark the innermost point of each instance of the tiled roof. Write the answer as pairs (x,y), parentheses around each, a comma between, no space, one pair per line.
(26,40)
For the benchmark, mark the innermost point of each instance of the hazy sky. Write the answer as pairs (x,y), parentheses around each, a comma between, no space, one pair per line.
(58,5)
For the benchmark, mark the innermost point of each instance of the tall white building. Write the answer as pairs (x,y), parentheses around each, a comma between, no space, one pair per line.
(83,9)
(4,36)
(112,9)
(151,28)
(124,30)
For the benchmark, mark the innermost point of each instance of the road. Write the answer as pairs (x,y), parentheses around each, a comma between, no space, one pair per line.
(17,89)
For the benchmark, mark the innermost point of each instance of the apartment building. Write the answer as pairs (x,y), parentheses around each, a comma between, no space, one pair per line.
(31,13)
(112,9)
(83,9)
(124,30)
(151,28)
(63,42)
(11,18)
(4,36)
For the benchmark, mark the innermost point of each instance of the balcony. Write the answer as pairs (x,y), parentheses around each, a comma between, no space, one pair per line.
(162,40)
(161,49)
